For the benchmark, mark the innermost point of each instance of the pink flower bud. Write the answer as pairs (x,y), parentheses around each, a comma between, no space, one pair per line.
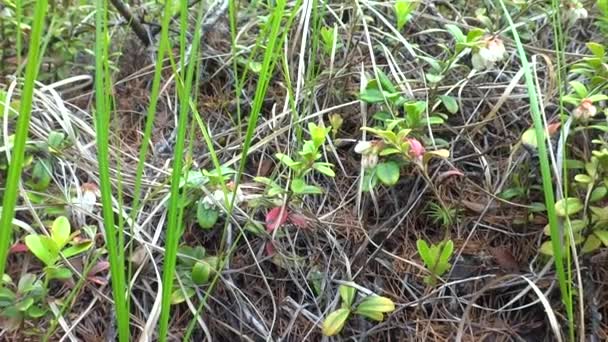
(416,148)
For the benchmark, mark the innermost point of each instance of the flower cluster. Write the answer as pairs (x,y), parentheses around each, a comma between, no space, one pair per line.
(491,51)
(576,11)
(369,152)
(217,197)
(585,111)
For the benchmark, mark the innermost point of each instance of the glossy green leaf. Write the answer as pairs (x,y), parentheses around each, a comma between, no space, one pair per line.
(54,272)
(546,248)
(388,173)
(77,249)
(206,217)
(43,247)
(24,304)
(579,89)
(299,186)
(347,293)
(377,304)
(568,206)
(592,243)
(373,315)
(324,169)
(60,231)
(456,32)
(334,323)
(178,296)
(449,103)
(200,273)
(602,235)
(36,311)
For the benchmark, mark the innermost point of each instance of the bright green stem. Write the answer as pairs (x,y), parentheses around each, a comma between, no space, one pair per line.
(102,124)
(556,239)
(25,109)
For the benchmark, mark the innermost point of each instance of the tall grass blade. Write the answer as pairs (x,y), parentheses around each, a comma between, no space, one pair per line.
(174,226)
(16,163)
(114,245)
(556,239)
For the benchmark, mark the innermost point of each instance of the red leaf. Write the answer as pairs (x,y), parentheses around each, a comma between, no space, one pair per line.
(99,267)
(18,248)
(97,280)
(275,218)
(270,250)
(299,220)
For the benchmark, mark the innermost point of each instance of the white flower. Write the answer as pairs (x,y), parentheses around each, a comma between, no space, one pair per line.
(368,161)
(585,111)
(491,51)
(218,197)
(87,199)
(369,152)
(363,147)
(576,11)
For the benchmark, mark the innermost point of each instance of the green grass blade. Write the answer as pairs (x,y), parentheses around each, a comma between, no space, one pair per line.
(174,226)
(14,171)
(545,170)
(102,118)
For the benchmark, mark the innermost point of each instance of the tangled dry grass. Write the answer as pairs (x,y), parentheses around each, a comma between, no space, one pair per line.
(367,238)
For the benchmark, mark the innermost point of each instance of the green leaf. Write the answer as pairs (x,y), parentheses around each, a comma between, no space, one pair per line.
(597,97)
(529,138)
(592,243)
(446,254)
(179,296)
(7,297)
(546,248)
(41,178)
(53,272)
(60,231)
(425,252)
(450,103)
(598,194)
(569,206)
(433,78)
(474,35)
(206,216)
(317,134)
(595,48)
(583,178)
(55,140)
(77,249)
(36,311)
(200,273)
(334,323)
(602,235)
(43,247)
(373,315)
(26,282)
(324,169)
(377,304)
(299,186)
(386,83)
(579,89)
(455,31)
(372,96)
(388,173)
(24,304)
(285,159)
(403,10)
(347,293)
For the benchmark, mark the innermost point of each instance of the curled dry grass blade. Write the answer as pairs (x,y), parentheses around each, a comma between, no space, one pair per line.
(14,172)
(114,245)
(556,236)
